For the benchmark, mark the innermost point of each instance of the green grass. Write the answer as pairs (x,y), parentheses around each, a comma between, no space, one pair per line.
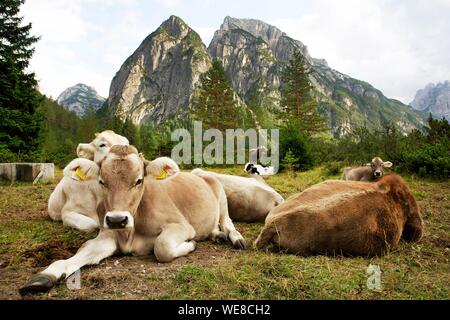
(29,241)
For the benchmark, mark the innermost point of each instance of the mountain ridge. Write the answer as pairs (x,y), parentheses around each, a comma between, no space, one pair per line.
(161,77)
(434,98)
(79,98)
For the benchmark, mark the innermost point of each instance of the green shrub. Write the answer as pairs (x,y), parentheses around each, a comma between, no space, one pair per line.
(430,160)
(334,167)
(290,161)
(295,143)
(6,155)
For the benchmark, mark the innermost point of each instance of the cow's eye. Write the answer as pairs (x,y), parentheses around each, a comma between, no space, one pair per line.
(102,145)
(138,182)
(101,182)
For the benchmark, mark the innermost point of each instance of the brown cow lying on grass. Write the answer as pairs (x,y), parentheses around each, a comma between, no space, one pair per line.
(344,217)
(369,172)
(143,215)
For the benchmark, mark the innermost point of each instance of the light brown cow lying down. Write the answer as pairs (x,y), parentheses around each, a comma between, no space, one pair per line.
(249,199)
(143,215)
(369,172)
(344,217)
(98,148)
(77,195)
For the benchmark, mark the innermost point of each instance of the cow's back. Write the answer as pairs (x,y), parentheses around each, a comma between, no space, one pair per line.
(354,218)
(357,174)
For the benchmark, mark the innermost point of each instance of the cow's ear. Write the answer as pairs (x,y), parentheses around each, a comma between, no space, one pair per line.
(86,150)
(160,168)
(146,163)
(387,164)
(77,173)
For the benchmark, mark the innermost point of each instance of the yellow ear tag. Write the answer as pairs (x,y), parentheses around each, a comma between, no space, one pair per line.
(80,174)
(161,176)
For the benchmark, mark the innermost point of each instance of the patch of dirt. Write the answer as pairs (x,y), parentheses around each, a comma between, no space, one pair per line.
(45,253)
(441,242)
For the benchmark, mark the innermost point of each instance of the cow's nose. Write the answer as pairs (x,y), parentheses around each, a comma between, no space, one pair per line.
(377,174)
(116,222)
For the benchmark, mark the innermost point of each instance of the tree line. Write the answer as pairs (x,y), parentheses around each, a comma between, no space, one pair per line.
(35,128)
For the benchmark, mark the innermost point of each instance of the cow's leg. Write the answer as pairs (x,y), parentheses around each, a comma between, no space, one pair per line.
(91,252)
(227,225)
(217,235)
(174,241)
(78,221)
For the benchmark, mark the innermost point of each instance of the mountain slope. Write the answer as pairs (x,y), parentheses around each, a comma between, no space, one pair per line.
(80,97)
(434,98)
(158,80)
(254,54)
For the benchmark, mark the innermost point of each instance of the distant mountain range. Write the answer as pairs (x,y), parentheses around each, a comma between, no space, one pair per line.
(434,98)
(160,79)
(79,98)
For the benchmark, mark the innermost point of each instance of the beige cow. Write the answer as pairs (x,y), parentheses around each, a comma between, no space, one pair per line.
(143,215)
(77,195)
(344,217)
(99,147)
(369,172)
(249,198)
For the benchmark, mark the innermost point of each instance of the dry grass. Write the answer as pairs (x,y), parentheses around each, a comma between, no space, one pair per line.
(29,241)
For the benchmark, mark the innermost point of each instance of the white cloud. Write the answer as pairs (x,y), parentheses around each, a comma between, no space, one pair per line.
(56,20)
(206,33)
(398,46)
(394,46)
(170,3)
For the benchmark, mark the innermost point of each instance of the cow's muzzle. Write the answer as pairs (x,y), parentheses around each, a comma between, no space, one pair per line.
(377,174)
(118,220)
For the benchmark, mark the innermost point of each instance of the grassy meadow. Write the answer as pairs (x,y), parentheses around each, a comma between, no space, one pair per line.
(29,241)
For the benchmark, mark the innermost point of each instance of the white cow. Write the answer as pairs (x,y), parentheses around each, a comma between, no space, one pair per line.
(77,195)
(142,215)
(99,147)
(249,198)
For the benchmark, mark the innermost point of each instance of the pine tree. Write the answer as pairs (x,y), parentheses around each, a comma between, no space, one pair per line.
(298,104)
(19,99)
(215,104)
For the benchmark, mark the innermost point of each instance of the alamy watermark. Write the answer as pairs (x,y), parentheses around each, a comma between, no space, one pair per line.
(73,282)
(189,150)
(374,279)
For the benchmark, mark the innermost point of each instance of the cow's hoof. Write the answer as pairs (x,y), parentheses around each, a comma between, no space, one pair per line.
(39,283)
(220,237)
(239,244)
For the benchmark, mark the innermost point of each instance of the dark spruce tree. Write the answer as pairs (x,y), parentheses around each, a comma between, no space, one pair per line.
(215,105)
(298,105)
(19,98)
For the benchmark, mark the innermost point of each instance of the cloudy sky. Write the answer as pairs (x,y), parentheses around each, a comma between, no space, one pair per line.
(396,45)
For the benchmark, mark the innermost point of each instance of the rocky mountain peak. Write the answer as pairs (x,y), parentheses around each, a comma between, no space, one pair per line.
(79,98)
(434,99)
(158,80)
(258,28)
(175,27)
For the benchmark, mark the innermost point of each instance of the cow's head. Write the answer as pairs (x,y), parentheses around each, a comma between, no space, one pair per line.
(99,147)
(81,169)
(251,169)
(122,176)
(377,166)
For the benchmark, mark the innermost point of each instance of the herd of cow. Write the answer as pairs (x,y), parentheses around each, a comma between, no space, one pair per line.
(142,206)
